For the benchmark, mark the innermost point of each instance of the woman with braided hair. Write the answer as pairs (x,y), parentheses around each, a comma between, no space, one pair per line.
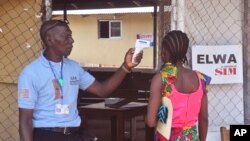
(178,96)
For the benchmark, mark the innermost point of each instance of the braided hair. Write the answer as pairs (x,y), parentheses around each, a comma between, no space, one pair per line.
(176,44)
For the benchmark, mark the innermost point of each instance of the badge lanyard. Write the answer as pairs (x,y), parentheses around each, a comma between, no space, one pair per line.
(59,80)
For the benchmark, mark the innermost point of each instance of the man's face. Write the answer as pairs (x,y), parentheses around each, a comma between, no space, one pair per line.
(61,40)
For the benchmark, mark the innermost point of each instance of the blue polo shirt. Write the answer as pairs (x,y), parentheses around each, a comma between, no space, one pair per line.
(37,91)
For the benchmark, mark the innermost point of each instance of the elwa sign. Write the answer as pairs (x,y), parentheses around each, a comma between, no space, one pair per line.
(223,63)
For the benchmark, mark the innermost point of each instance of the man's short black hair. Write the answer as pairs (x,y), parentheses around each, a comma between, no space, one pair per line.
(48,25)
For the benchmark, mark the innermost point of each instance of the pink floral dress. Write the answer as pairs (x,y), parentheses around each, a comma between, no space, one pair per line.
(183,133)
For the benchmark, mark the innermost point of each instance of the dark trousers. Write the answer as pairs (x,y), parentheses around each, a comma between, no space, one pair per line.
(46,135)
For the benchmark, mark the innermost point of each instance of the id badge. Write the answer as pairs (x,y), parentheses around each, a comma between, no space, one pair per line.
(65,109)
(58,109)
(62,109)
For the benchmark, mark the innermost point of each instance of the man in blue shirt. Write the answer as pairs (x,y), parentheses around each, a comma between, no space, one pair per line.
(48,87)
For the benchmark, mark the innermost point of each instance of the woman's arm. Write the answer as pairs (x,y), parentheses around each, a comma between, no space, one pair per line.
(154,101)
(203,118)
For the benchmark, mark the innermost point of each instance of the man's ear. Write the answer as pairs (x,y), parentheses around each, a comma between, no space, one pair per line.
(48,39)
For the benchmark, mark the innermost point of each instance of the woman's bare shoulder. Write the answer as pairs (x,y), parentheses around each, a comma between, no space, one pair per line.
(156,77)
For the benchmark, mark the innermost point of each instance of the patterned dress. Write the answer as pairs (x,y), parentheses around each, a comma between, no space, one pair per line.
(186,133)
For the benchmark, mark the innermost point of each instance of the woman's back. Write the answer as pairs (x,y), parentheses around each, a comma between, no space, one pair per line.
(187,81)
(185,96)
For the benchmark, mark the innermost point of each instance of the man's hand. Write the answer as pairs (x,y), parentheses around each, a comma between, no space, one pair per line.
(128,59)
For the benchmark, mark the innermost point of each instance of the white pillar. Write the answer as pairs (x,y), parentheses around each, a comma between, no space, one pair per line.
(177,15)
